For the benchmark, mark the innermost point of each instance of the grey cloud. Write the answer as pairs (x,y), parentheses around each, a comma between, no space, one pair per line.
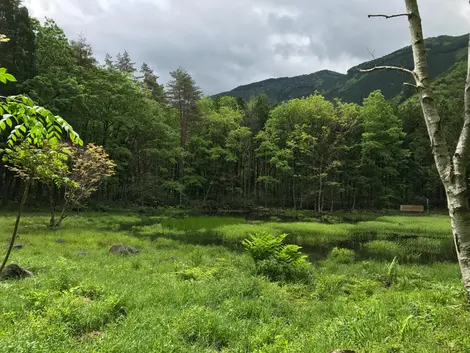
(282,24)
(224,43)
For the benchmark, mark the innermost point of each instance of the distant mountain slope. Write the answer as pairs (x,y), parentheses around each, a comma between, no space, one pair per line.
(285,88)
(443,53)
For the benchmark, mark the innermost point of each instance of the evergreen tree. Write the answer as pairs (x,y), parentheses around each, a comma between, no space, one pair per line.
(183,95)
(124,63)
(149,83)
(109,62)
(83,52)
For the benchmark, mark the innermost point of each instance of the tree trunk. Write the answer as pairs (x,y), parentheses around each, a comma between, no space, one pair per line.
(63,214)
(294,201)
(51,205)
(452,171)
(17,223)
(320,186)
(460,220)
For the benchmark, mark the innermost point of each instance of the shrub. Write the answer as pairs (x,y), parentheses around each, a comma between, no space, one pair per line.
(277,261)
(341,255)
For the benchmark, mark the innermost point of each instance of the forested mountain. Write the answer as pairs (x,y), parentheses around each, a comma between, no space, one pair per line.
(285,88)
(443,53)
(175,146)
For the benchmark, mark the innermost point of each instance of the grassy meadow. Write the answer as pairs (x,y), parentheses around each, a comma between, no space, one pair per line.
(193,288)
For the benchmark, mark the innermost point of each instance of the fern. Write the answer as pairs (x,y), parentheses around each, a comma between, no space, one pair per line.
(277,261)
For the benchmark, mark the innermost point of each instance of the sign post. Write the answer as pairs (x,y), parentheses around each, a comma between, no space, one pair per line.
(412,208)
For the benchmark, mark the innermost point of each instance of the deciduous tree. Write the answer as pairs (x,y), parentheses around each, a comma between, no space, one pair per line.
(88,169)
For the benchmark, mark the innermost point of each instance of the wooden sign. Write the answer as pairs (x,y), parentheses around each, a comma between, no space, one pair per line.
(412,208)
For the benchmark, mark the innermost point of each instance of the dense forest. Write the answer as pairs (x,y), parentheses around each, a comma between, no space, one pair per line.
(175,146)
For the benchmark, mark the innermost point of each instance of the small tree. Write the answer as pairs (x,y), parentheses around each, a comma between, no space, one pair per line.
(30,163)
(88,169)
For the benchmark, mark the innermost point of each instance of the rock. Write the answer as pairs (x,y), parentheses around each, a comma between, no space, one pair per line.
(14,271)
(17,246)
(123,249)
(95,335)
(343,351)
(82,253)
(60,241)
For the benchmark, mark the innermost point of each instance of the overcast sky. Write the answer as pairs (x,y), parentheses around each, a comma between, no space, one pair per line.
(227,43)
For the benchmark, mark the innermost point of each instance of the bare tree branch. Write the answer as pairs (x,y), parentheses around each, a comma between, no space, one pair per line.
(371,53)
(390,16)
(396,68)
(410,84)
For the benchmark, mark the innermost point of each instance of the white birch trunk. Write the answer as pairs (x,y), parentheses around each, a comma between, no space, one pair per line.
(452,169)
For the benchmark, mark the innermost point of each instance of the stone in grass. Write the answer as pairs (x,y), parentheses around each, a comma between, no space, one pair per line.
(343,351)
(60,241)
(94,335)
(82,253)
(17,246)
(123,249)
(14,271)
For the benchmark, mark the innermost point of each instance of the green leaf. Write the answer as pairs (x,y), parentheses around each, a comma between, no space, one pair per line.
(10,77)
(3,79)
(27,101)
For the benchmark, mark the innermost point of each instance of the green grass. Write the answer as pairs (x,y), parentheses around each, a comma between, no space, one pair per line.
(411,238)
(180,296)
(400,226)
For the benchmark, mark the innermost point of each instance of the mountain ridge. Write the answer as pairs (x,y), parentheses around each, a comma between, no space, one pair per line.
(443,53)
